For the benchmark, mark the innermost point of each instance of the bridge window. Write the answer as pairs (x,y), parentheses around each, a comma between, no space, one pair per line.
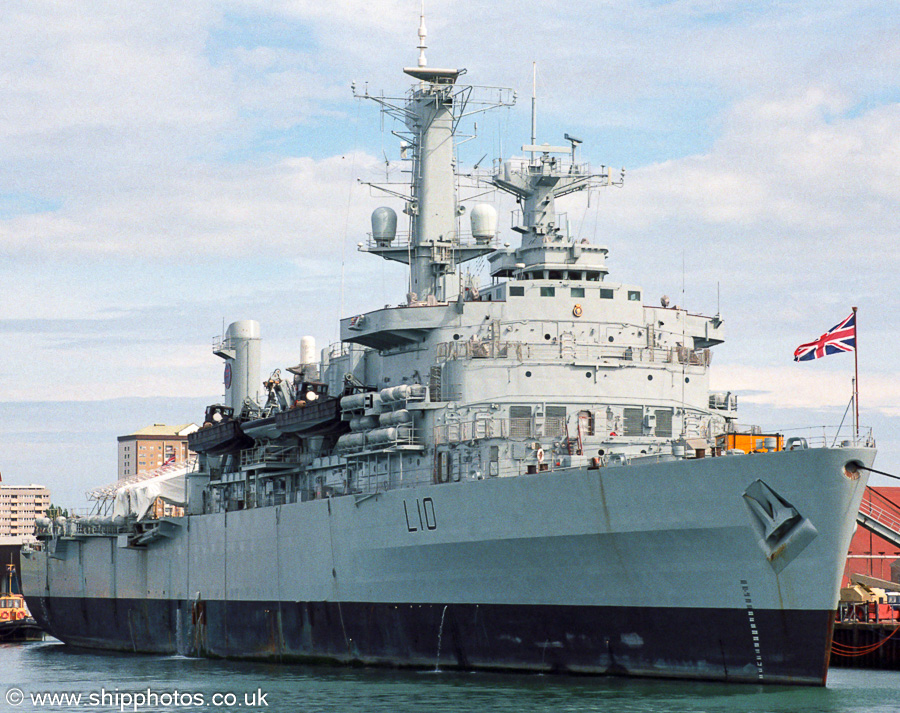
(516,291)
(606,293)
(548,292)
(577,291)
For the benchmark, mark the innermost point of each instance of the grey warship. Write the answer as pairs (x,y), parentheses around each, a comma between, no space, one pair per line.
(528,475)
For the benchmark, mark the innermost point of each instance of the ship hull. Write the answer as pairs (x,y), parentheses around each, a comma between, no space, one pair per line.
(648,642)
(653,570)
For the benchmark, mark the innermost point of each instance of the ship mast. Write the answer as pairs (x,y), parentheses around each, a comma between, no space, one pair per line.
(433,207)
(536,184)
(431,112)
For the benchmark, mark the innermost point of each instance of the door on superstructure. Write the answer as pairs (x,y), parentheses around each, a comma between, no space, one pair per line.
(585,423)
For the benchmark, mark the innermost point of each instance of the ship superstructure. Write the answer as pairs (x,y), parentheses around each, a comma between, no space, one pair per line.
(550,365)
(533,472)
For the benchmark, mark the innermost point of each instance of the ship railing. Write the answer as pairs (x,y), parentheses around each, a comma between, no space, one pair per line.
(268,454)
(828,436)
(509,167)
(261,500)
(90,526)
(406,435)
(338,349)
(480,349)
(520,217)
(888,518)
(107,493)
(402,241)
(691,357)
(481,428)
(515,428)
(564,349)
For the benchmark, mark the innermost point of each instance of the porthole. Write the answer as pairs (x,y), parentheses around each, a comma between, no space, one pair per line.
(687,380)
(456,336)
(588,374)
(547,336)
(649,377)
(528,373)
(601,452)
(612,339)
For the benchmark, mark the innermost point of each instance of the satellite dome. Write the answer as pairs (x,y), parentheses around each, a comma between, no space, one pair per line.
(384,226)
(484,222)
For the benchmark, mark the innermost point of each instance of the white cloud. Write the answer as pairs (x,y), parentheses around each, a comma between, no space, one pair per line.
(804,387)
(799,164)
(295,204)
(91,65)
(351,15)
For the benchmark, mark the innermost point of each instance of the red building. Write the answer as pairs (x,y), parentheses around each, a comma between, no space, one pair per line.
(870,554)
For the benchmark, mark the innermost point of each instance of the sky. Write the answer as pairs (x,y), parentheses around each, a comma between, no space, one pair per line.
(168,168)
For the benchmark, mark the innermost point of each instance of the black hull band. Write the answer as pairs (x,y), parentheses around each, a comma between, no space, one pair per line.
(789,647)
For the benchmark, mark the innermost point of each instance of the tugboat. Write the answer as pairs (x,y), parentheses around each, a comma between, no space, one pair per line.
(16,622)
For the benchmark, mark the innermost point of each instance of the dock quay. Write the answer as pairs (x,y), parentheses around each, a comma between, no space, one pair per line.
(867,625)
(863,644)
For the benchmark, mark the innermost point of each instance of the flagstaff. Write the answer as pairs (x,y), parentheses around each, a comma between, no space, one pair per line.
(840,338)
(856,370)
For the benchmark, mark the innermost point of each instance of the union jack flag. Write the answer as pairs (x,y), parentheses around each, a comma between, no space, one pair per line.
(840,338)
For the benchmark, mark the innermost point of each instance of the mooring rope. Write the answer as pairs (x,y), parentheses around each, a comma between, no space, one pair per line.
(851,651)
(879,472)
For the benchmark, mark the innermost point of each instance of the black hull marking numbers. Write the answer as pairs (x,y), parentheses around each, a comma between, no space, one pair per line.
(423,517)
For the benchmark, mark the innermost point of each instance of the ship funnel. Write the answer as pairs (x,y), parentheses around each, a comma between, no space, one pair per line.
(484,222)
(307,350)
(384,226)
(240,348)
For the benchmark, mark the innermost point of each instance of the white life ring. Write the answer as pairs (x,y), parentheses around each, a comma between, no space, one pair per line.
(540,455)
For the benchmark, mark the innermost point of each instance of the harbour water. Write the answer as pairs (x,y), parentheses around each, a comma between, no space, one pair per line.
(116,682)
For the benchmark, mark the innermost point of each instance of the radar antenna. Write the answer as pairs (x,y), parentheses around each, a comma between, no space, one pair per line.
(422,33)
(533,105)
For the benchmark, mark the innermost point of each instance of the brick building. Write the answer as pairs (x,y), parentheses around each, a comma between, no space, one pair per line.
(870,554)
(152,447)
